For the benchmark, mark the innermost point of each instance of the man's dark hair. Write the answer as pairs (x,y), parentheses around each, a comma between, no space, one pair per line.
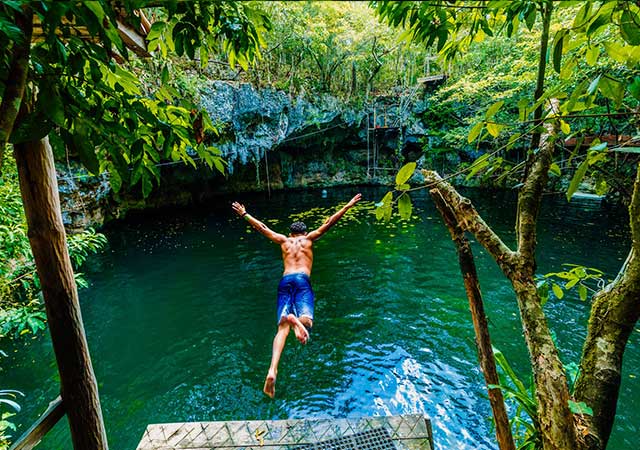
(298,228)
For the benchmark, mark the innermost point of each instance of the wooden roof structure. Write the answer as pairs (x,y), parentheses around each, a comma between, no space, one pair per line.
(133,38)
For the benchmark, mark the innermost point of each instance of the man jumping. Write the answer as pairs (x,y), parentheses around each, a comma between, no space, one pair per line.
(295,295)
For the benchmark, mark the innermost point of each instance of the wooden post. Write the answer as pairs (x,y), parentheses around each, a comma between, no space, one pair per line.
(483,340)
(32,437)
(79,391)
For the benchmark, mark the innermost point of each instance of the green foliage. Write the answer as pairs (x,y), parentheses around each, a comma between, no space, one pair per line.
(583,279)
(8,404)
(334,47)
(84,243)
(522,399)
(524,421)
(384,208)
(21,309)
(22,320)
(594,53)
(95,109)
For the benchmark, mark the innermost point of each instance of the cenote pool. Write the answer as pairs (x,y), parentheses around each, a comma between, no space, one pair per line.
(180,316)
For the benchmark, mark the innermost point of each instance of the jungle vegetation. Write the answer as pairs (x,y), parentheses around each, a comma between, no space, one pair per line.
(507,64)
(571,85)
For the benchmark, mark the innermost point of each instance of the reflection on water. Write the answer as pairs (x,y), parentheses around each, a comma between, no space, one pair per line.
(180,317)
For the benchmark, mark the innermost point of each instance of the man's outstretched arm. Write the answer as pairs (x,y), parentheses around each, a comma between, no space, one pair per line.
(255,223)
(322,229)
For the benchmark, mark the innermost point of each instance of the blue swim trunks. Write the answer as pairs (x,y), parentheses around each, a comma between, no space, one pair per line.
(295,296)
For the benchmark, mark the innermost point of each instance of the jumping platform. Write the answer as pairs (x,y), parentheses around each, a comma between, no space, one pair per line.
(407,432)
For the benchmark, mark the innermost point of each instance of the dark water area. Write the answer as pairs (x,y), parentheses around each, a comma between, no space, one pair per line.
(180,316)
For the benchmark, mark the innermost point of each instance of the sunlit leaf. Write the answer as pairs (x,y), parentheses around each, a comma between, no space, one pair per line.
(557,290)
(405,173)
(405,208)
(494,128)
(577,179)
(612,89)
(493,109)
(582,291)
(591,55)
(475,132)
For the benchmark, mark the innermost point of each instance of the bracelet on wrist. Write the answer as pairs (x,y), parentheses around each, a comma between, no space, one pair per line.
(245,216)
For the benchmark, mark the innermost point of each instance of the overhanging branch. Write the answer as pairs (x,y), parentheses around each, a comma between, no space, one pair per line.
(471,221)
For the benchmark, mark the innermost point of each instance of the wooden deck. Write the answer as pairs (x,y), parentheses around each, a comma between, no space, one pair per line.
(408,432)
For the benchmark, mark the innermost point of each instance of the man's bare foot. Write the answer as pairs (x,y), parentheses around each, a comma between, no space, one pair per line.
(299,329)
(270,384)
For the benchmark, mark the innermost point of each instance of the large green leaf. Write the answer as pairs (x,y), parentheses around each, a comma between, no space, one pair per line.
(383,208)
(86,151)
(493,109)
(557,290)
(475,132)
(591,55)
(630,27)
(405,173)
(494,128)
(146,184)
(582,291)
(634,88)
(612,89)
(405,208)
(557,50)
(577,178)
(32,128)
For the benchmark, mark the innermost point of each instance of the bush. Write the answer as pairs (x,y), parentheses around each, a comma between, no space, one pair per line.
(21,304)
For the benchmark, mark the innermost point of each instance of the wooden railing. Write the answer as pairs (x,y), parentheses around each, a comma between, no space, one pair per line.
(42,426)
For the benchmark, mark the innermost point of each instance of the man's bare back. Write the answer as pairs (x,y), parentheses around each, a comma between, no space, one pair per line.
(295,295)
(297,255)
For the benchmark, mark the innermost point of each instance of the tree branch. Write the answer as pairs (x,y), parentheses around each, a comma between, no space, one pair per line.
(531,194)
(471,221)
(479,319)
(546,11)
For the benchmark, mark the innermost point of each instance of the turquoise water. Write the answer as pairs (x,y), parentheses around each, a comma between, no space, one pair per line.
(180,317)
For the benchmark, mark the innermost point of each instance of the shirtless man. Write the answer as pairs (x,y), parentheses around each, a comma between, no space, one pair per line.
(295,296)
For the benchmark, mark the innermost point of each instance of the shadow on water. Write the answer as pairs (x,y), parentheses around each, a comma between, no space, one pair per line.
(180,317)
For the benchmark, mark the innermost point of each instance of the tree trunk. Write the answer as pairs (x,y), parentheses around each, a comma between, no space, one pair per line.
(555,418)
(552,394)
(614,313)
(483,340)
(47,236)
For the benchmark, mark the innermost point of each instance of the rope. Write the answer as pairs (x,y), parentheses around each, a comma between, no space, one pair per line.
(310,134)
(171,163)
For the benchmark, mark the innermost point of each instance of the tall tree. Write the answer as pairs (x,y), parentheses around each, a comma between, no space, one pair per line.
(610,25)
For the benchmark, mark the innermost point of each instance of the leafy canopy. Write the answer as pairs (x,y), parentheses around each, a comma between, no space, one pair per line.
(96,109)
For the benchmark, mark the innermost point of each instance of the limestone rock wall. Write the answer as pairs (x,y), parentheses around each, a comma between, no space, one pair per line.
(270,141)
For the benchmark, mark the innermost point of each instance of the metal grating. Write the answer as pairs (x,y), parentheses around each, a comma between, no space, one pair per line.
(375,439)
(408,432)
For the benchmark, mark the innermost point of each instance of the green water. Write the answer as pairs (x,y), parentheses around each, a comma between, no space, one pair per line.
(180,317)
